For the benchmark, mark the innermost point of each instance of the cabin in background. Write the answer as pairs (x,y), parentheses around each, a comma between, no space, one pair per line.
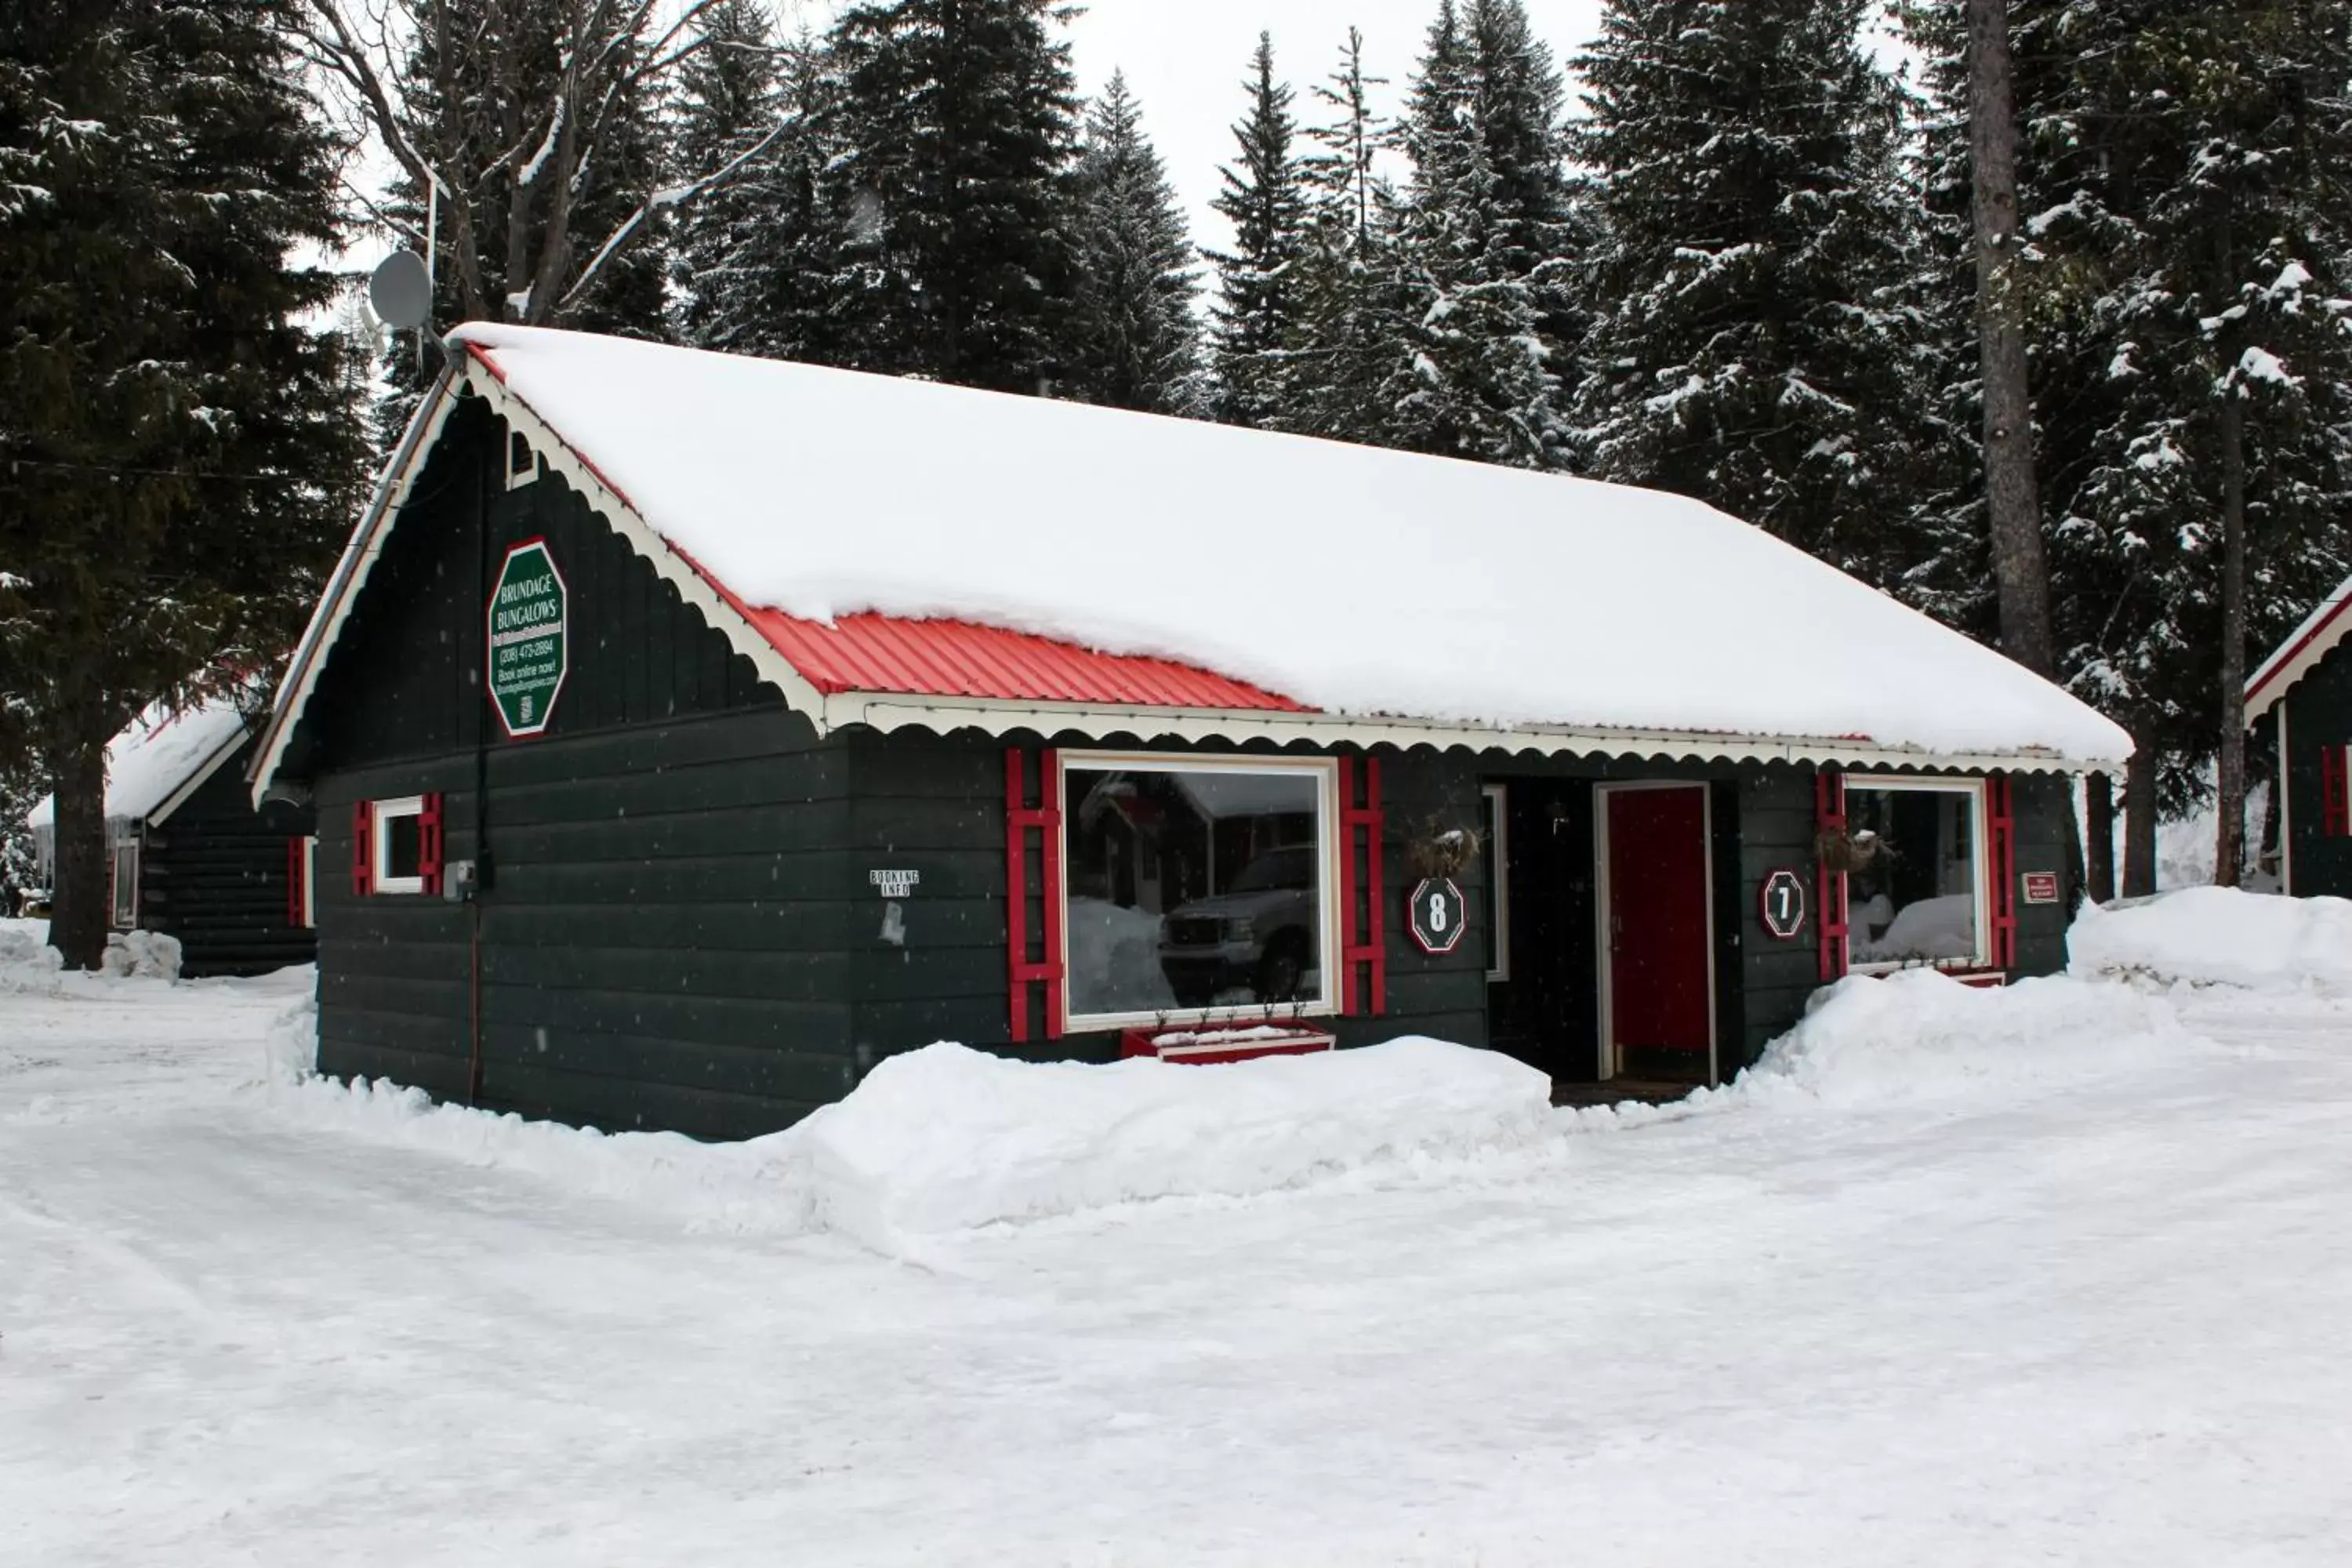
(2300,698)
(192,857)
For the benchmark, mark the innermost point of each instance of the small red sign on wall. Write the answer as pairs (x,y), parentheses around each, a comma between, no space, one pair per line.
(2042,886)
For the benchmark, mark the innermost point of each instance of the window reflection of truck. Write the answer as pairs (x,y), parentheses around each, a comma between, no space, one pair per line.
(1257,936)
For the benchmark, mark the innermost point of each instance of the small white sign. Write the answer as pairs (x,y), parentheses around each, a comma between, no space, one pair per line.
(894,884)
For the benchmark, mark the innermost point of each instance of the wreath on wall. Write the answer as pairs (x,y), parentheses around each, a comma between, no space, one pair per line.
(1436,851)
(1851,852)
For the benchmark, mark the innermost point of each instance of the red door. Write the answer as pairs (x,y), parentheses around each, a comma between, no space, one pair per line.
(1661,1019)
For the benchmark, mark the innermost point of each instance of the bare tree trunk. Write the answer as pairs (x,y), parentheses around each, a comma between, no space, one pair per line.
(2011,492)
(78,912)
(2139,822)
(2099,825)
(2229,850)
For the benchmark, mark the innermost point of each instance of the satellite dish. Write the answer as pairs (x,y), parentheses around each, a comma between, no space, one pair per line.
(400,291)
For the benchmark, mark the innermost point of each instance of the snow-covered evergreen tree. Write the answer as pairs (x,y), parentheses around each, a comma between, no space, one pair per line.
(1749,344)
(955,128)
(178,456)
(2159,136)
(726,105)
(1134,341)
(2213,240)
(1477,258)
(1352,335)
(1256,321)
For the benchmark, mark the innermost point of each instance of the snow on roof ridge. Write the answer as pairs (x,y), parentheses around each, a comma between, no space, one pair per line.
(155,753)
(1355,580)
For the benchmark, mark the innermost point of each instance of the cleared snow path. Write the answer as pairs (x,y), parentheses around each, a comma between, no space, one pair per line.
(2099,1323)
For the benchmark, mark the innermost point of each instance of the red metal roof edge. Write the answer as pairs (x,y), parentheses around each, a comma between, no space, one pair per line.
(2280,662)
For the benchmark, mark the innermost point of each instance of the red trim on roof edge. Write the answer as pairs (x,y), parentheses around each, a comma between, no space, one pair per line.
(2280,662)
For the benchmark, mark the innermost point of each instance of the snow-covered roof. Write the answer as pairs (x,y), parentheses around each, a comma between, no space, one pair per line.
(158,758)
(2301,653)
(1386,596)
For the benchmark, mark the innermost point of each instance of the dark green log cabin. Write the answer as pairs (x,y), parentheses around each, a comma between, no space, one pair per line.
(700,867)
(192,857)
(2300,703)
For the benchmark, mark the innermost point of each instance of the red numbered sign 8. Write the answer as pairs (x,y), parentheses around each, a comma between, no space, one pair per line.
(1784,904)
(1438,915)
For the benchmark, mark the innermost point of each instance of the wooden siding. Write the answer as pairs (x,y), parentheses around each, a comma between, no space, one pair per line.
(662,940)
(214,875)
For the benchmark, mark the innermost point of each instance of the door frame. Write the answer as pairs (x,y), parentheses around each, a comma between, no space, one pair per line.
(1603,896)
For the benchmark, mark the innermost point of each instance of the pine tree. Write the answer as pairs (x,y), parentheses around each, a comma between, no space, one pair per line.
(1134,345)
(2224,460)
(2148,138)
(1256,321)
(955,128)
(177,453)
(1352,333)
(727,106)
(1749,344)
(1477,257)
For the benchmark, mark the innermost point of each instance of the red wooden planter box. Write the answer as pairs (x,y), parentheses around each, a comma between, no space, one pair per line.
(1206,1047)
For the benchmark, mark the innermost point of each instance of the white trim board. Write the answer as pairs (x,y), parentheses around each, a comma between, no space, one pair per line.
(1325,772)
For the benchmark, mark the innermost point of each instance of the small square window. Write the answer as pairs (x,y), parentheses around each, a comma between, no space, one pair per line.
(523,466)
(399,848)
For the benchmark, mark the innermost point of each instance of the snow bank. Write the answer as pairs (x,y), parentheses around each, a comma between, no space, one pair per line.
(2220,936)
(1919,1035)
(946,1138)
(700,443)
(26,962)
(141,954)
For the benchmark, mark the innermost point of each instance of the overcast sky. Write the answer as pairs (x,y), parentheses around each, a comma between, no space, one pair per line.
(1186,59)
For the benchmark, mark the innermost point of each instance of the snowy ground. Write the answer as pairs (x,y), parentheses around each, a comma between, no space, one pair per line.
(2075,1296)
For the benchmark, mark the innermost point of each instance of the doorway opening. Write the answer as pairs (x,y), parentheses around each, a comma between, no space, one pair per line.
(1654,936)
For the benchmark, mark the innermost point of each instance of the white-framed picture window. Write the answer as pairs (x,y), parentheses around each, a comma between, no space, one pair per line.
(122,911)
(1197,888)
(398,852)
(1924,896)
(1495,811)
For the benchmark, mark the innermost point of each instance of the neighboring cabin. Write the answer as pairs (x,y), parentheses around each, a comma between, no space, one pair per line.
(2301,698)
(190,855)
(688,733)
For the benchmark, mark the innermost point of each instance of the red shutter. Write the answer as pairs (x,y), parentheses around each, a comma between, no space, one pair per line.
(362,848)
(1829,887)
(2001,812)
(2334,800)
(1363,946)
(428,845)
(294,882)
(1022,819)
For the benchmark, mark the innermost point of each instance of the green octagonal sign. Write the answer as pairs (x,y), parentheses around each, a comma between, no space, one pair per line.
(530,651)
